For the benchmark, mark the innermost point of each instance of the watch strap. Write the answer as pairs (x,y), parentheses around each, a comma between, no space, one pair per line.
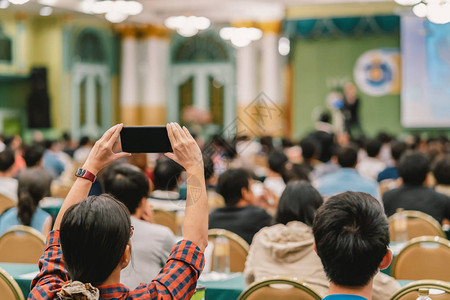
(83,173)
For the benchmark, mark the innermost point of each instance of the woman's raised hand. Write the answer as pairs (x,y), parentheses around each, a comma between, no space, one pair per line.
(102,154)
(185,149)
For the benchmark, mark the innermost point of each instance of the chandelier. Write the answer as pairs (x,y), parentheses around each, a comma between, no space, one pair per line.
(436,11)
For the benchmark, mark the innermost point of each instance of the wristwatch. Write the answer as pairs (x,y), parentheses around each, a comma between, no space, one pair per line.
(83,173)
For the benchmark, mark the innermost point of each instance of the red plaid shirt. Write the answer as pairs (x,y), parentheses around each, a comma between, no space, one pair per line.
(177,280)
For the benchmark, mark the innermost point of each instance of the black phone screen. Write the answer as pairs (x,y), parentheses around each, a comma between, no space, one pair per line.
(145,139)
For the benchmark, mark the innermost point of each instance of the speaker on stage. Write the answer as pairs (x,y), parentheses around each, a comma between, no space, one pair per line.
(38,103)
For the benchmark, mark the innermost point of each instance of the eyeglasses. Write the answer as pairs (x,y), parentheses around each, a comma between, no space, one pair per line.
(131,231)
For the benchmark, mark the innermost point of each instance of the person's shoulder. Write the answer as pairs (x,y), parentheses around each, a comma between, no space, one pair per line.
(154,229)
(440,196)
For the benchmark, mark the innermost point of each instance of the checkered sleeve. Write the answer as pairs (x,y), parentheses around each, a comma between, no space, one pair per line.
(51,271)
(178,278)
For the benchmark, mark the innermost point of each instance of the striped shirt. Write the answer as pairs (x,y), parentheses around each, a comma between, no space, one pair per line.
(177,280)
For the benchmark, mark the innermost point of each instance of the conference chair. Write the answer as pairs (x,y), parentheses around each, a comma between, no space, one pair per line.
(166,218)
(9,289)
(438,290)
(426,257)
(6,203)
(238,248)
(21,244)
(279,288)
(418,224)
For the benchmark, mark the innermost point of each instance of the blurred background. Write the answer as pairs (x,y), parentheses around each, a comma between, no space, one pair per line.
(249,68)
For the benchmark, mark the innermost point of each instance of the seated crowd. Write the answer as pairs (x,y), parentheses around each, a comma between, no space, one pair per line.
(298,205)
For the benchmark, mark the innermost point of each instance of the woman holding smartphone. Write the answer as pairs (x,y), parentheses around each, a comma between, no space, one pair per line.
(92,234)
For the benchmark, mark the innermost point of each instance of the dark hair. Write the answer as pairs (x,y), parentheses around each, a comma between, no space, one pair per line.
(351,233)
(442,170)
(266,143)
(373,147)
(347,157)
(325,117)
(295,172)
(84,140)
(277,161)
(310,148)
(126,183)
(299,202)
(413,168)
(230,184)
(33,154)
(397,149)
(7,159)
(166,174)
(94,234)
(209,166)
(34,184)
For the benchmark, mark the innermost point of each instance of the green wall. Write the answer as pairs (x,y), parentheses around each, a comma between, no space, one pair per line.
(320,63)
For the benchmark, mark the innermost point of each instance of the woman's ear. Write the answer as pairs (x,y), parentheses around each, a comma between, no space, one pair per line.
(126,257)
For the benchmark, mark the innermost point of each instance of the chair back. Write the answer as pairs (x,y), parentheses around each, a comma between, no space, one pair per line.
(166,218)
(9,289)
(238,248)
(426,257)
(438,290)
(418,224)
(21,244)
(279,288)
(6,203)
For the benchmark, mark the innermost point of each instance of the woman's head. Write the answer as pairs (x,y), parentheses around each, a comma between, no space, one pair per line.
(94,236)
(299,202)
(34,184)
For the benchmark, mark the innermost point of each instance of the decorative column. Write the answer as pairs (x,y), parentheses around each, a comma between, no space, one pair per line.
(271,81)
(154,107)
(21,47)
(246,89)
(129,102)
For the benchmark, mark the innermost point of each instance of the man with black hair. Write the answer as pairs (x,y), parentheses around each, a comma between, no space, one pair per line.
(351,234)
(277,161)
(152,243)
(346,178)
(441,173)
(413,168)
(391,172)
(371,165)
(8,184)
(240,215)
(33,155)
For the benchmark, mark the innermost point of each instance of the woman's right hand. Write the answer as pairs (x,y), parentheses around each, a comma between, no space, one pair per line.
(102,154)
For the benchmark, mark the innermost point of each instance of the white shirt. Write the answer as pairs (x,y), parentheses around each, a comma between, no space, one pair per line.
(275,184)
(150,248)
(369,167)
(8,187)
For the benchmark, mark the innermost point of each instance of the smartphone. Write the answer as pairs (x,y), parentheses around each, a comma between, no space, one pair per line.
(145,139)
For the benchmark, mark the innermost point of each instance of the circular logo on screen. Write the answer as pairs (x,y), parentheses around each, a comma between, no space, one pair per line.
(377,73)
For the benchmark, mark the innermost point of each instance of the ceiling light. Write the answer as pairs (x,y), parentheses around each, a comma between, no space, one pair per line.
(48,2)
(407,2)
(115,17)
(240,36)
(420,10)
(46,11)
(438,13)
(4,4)
(18,2)
(128,7)
(187,26)
(284,46)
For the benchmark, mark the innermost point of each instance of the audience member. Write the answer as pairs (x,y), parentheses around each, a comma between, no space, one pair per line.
(287,248)
(413,195)
(32,188)
(386,149)
(52,163)
(371,165)
(8,184)
(82,152)
(167,175)
(441,173)
(310,153)
(33,155)
(214,199)
(93,235)
(129,185)
(346,178)
(351,236)
(240,215)
(391,172)
(277,161)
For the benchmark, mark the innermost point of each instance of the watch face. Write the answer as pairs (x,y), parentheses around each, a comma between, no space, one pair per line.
(80,172)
